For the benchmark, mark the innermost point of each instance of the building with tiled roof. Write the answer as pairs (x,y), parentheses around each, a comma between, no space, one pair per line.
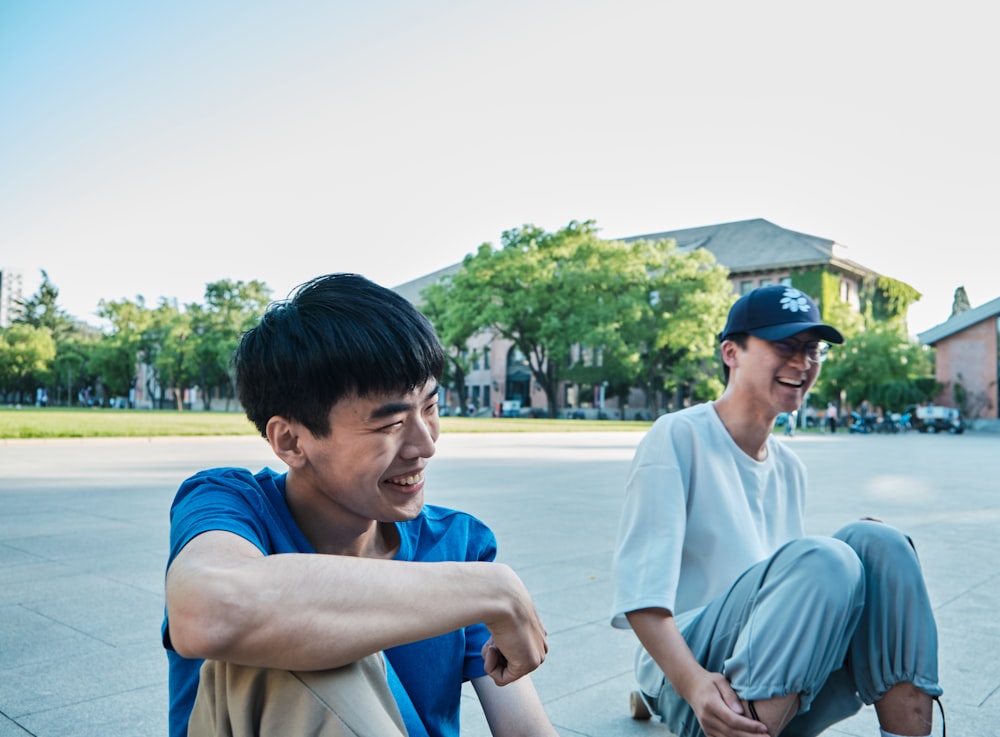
(967,365)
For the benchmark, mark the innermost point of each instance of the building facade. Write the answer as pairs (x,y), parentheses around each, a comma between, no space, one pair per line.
(967,360)
(11,294)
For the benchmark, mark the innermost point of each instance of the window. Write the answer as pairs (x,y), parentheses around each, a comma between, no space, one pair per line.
(746,285)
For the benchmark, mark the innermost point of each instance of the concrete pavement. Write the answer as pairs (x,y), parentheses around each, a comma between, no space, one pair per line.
(83,538)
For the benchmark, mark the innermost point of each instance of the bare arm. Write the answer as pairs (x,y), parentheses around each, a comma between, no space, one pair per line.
(227,601)
(713,700)
(513,710)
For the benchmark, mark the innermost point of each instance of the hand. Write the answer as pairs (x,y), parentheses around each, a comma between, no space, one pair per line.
(504,671)
(719,710)
(518,640)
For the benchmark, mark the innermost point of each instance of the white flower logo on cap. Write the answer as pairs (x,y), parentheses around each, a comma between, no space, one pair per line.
(794,301)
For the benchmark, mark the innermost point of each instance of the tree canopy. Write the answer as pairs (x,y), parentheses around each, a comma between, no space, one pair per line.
(880,365)
(183,347)
(588,310)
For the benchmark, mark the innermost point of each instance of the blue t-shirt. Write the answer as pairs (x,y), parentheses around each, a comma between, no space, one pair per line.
(426,677)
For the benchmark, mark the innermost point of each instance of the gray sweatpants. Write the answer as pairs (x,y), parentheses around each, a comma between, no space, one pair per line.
(838,620)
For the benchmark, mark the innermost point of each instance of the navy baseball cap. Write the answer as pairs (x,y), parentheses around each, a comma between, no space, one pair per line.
(776,313)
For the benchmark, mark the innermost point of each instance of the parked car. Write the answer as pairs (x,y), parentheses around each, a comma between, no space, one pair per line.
(935,418)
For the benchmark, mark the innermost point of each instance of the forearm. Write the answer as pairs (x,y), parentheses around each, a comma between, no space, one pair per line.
(305,612)
(716,705)
(514,710)
(659,635)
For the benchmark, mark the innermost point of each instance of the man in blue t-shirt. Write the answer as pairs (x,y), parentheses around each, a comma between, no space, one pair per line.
(330,600)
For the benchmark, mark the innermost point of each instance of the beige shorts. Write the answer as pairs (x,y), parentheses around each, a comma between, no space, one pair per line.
(242,701)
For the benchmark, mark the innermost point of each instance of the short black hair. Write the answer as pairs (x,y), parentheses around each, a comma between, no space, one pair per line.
(337,335)
(739,339)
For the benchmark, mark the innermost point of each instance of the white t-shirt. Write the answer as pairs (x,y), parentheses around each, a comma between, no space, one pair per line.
(698,512)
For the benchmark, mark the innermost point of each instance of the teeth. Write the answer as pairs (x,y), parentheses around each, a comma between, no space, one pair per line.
(789,382)
(408,480)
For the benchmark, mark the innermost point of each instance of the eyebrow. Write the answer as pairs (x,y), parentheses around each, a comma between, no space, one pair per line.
(394,408)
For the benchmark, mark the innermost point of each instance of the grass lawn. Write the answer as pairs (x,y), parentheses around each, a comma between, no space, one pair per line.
(55,422)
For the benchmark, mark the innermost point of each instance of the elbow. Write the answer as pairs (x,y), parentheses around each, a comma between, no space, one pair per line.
(195,637)
(203,620)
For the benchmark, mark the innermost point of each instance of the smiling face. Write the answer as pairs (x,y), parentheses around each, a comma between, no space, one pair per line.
(368,470)
(772,383)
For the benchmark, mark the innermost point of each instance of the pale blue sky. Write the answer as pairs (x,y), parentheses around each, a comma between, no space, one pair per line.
(148,148)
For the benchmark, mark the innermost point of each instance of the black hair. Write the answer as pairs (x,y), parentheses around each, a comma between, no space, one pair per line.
(739,339)
(338,335)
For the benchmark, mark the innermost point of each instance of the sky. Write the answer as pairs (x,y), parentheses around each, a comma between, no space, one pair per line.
(148,149)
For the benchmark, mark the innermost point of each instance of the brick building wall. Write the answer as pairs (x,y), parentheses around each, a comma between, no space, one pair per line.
(969,358)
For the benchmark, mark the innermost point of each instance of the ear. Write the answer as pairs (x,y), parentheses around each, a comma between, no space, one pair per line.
(730,351)
(283,435)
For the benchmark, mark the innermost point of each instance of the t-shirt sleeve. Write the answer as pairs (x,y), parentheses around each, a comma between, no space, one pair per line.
(647,560)
(223,499)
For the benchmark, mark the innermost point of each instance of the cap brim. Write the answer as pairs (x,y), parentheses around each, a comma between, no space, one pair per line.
(779,332)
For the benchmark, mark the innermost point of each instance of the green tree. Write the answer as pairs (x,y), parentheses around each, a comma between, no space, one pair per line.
(878,361)
(881,366)
(72,366)
(545,292)
(231,308)
(42,311)
(116,356)
(685,300)
(168,351)
(455,324)
(26,356)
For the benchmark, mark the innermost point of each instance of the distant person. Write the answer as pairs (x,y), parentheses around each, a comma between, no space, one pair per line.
(790,423)
(748,627)
(331,600)
(831,417)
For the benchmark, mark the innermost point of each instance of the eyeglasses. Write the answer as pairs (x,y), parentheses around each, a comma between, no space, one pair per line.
(815,350)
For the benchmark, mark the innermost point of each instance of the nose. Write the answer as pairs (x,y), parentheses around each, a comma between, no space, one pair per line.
(421,439)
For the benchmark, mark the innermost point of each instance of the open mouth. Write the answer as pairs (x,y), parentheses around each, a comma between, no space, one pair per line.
(790,382)
(406,480)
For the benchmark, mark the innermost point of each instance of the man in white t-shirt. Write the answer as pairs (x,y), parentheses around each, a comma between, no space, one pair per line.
(746,626)
(831,417)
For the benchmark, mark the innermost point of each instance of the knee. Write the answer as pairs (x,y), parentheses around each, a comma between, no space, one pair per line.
(830,568)
(878,545)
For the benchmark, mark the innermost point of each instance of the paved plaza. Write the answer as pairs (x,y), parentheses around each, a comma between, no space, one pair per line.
(83,539)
